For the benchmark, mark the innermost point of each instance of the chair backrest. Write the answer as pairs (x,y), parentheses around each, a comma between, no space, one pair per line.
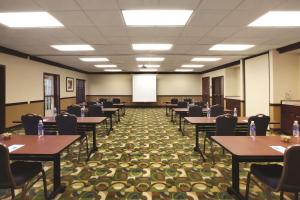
(89,103)
(108,104)
(116,100)
(261,122)
(101,100)
(6,178)
(95,111)
(74,110)
(290,177)
(182,104)
(189,100)
(216,110)
(30,123)
(66,124)
(174,101)
(195,111)
(225,125)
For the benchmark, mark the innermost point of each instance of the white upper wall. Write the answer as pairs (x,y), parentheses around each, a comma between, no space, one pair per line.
(24,79)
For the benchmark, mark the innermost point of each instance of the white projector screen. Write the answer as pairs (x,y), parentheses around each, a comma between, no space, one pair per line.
(144,88)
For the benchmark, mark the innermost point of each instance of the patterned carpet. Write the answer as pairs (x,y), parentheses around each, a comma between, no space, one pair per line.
(145,157)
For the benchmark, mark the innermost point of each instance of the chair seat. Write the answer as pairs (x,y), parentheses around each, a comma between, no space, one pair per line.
(268,174)
(24,171)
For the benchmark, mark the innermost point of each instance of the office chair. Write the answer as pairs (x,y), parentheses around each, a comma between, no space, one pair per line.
(74,110)
(30,123)
(261,122)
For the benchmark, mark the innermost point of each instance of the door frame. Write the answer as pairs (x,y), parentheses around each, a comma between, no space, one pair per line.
(221,88)
(56,91)
(78,79)
(2,98)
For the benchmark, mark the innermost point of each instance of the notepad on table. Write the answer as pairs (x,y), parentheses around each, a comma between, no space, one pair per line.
(15,147)
(281,149)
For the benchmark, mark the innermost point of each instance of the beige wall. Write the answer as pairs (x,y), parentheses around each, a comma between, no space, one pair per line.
(24,79)
(167,84)
(285,76)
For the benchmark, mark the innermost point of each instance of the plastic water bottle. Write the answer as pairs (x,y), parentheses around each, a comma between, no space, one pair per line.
(235,112)
(54,111)
(101,105)
(207,106)
(40,128)
(252,129)
(208,112)
(82,111)
(296,129)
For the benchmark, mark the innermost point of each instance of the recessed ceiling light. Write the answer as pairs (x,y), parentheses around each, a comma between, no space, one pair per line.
(73,47)
(148,70)
(156,17)
(112,70)
(149,65)
(278,19)
(29,20)
(184,70)
(231,47)
(192,66)
(151,47)
(205,59)
(106,66)
(150,59)
(94,59)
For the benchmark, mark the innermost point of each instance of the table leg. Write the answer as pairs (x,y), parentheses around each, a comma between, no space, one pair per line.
(235,188)
(179,122)
(197,147)
(57,187)
(119,115)
(172,116)
(111,125)
(166,110)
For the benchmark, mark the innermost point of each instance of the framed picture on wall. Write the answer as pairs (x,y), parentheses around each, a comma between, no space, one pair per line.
(69,84)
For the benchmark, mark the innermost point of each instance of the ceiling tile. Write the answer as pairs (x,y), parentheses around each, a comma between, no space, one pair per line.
(90,34)
(207,18)
(58,5)
(98,4)
(106,18)
(18,5)
(72,18)
(217,4)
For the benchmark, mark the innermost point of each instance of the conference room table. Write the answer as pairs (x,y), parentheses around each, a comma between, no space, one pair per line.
(42,148)
(110,112)
(169,106)
(251,149)
(121,106)
(84,124)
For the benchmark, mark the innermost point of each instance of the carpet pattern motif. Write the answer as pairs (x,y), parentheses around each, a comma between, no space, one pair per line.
(145,157)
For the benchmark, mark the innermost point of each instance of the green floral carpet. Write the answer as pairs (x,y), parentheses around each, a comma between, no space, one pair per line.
(145,157)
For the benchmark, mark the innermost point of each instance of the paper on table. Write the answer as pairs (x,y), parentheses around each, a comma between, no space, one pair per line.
(15,147)
(281,149)
(245,120)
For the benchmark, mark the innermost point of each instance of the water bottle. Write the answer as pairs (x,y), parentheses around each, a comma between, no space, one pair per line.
(208,112)
(101,105)
(252,129)
(235,112)
(207,106)
(54,112)
(296,129)
(82,111)
(40,128)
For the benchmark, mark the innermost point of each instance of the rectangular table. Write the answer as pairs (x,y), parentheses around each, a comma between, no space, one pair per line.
(250,149)
(121,106)
(169,106)
(110,112)
(204,121)
(44,148)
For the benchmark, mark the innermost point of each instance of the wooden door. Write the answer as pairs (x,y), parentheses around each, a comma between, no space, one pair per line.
(80,90)
(218,90)
(51,93)
(2,98)
(205,90)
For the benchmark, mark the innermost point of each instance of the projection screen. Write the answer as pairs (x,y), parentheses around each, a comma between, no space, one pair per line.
(144,88)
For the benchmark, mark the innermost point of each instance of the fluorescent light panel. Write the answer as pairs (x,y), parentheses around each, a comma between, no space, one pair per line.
(205,59)
(29,20)
(151,47)
(148,70)
(184,70)
(149,65)
(231,47)
(156,17)
(94,59)
(112,70)
(73,47)
(192,66)
(105,66)
(278,19)
(150,59)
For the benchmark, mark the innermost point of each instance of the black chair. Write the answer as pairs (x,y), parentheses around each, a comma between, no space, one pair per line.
(182,104)
(67,125)
(19,173)
(74,110)
(216,110)
(107,104)
(174,101)
(284,178)
(101,100)
(194,111)
(89,103)
(116,101)
(95,111)
(30,123)
(261,122)
(188,100)
(225,125)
